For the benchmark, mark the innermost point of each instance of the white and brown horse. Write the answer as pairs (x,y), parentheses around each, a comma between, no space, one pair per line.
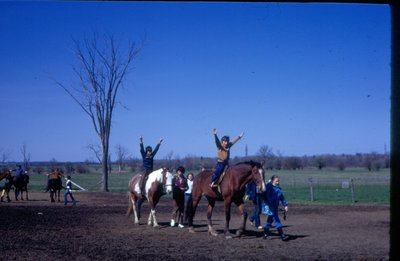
(158,183)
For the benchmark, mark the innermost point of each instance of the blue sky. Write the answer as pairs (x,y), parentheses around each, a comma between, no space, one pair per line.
(303,79)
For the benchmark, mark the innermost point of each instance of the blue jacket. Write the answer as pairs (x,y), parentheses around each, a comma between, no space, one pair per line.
(148,161)
(272,196)
(19,172)
(251,191)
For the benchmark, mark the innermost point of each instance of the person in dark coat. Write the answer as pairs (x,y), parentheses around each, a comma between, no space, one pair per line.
(179,186)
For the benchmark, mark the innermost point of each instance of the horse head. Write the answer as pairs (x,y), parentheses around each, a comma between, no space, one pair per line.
(258,175)
(167,180)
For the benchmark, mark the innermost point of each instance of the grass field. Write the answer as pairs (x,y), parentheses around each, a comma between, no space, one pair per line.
(329,185)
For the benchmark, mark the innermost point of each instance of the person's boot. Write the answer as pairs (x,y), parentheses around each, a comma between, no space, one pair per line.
(266,234)
(283,236)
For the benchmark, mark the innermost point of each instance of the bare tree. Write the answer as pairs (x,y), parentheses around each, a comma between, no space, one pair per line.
(26,156)
(5,155)
(96,149)
(169,158)
(122,154)
(101,72)
(265,152)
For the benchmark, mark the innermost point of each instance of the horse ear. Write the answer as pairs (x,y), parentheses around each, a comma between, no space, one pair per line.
(262,163)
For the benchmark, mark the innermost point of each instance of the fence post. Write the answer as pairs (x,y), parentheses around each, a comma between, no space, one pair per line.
(352,191)
(310,181)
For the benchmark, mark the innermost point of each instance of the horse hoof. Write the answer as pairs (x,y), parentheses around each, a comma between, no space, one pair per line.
(213,233)
(191,230)
(155,225)
(239,233)
(228,237)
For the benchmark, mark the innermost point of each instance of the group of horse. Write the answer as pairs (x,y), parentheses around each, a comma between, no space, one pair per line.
(20,185)
(231,189)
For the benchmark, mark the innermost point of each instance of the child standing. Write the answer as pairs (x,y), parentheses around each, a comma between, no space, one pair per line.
(271,198)
(68,191)
(223,155)
(188,196)
(179,186)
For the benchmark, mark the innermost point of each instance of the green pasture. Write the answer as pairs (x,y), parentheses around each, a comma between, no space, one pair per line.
(329,185)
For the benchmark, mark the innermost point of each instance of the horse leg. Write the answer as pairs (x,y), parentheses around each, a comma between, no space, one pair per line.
(243,213)
(155,223)
(211,230)
(139,203)
(16,194)
(195,202)
(59,192)
(26,190)
(153,211)
(3,192)
(52,195)
(227,204)
(135,211)
(150,219)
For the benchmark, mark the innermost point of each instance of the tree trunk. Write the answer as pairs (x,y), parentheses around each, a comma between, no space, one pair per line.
(104,184)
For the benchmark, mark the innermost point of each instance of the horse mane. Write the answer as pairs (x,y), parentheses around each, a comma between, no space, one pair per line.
(251,163)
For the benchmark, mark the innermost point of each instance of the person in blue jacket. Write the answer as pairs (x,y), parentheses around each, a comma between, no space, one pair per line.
(254,195)
(271,198)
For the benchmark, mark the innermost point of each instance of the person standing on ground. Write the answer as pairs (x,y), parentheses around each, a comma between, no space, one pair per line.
(68,191)
(271,198)
(179,186)
(188,196)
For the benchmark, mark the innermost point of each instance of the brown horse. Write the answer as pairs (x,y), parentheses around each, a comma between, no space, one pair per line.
(21,184)
(232,189)
(154,189)
(55,186)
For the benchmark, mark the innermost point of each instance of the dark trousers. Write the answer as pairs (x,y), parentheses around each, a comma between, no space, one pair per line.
(255,217)
(178,197)
(219,168)
(143,179)
(189,205)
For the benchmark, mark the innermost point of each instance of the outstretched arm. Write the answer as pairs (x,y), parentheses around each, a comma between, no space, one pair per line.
(217,142)
(142,147)
(157,147)
(238,138)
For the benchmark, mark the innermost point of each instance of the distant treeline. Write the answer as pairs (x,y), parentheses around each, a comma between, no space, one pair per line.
(370,161)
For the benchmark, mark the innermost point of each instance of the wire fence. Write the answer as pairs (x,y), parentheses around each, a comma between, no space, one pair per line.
(337,190)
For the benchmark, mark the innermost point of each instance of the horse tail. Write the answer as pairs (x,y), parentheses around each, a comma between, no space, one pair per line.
(130,205)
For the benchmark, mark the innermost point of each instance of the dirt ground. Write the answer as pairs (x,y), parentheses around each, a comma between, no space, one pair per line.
(98,229)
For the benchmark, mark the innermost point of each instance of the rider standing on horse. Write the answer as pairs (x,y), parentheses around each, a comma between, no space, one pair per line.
(223,155)
(147,156)
(19,172)
(56,174)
